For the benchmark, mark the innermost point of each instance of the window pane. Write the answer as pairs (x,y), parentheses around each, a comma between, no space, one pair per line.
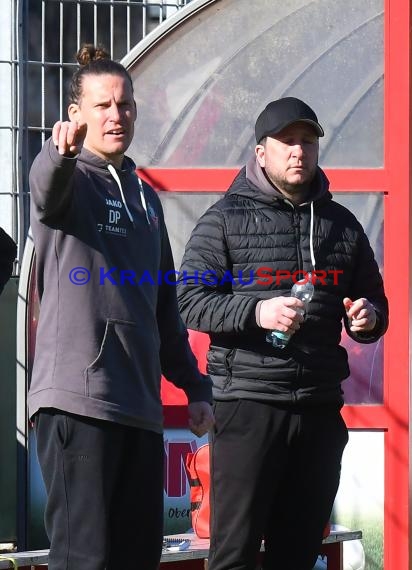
(182,211)
(200,89)
(365,384)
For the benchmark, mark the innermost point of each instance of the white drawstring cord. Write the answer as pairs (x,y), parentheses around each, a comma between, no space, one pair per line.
(113,172)
(312,254)
(143,199)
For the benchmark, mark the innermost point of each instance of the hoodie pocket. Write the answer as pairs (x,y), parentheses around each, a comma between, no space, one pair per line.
(126,367)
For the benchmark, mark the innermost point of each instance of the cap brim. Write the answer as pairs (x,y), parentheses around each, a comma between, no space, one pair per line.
(314,124)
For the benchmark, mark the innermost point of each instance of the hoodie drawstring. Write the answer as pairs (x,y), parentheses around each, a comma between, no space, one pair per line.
(143,199)
(113,172)
(312,254)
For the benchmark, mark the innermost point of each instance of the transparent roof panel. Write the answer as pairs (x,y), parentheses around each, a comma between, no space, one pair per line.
(200,87)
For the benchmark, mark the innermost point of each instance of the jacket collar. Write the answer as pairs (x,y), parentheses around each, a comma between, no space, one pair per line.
(251,182)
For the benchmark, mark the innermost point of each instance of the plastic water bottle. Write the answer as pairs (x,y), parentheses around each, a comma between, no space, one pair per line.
(302,290)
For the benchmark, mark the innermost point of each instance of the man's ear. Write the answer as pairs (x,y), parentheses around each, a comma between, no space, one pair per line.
(74,112)
(260,154)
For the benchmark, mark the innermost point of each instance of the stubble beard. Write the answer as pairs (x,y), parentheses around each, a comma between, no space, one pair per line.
(296,192)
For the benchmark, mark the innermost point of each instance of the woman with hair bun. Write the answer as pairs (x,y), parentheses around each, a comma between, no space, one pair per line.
(109,326)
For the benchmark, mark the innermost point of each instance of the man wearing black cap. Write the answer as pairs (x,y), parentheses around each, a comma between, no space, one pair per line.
(278,439)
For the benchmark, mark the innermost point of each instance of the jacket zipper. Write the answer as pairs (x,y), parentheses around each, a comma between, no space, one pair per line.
(296,226)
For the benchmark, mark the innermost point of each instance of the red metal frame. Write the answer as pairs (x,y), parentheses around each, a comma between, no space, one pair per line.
(219,179)
(397,265)
(392,417)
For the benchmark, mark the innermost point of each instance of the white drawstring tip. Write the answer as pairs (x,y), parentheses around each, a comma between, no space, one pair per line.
(113,172)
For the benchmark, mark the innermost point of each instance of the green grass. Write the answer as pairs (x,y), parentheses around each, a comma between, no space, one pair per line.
(372,541)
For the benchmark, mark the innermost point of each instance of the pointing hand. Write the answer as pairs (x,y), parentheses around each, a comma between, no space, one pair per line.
(68,136)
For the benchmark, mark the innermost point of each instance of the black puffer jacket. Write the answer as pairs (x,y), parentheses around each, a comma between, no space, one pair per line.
(254,227)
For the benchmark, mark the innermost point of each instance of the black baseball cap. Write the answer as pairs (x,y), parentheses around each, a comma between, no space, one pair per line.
(283,112)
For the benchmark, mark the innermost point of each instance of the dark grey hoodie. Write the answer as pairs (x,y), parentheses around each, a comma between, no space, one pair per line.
(109,322)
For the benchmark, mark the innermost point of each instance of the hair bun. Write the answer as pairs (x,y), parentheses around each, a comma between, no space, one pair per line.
(88,53)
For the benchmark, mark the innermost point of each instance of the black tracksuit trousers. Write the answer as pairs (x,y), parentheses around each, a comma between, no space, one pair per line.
(275,474)
(104,484)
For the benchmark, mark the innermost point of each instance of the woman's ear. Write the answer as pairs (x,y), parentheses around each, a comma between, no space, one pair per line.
(74,112)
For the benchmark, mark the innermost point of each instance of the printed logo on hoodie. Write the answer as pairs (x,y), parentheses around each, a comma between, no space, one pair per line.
(114,216)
